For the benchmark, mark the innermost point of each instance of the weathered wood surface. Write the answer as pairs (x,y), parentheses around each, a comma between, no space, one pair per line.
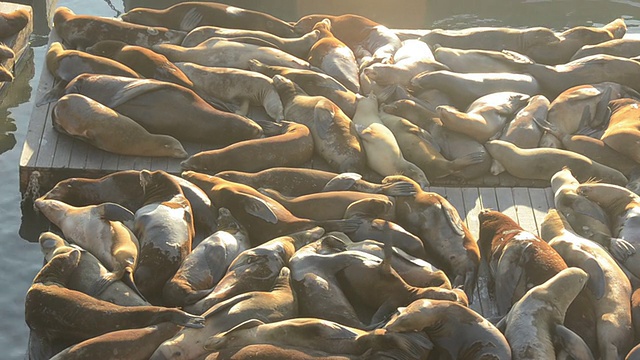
(19,43)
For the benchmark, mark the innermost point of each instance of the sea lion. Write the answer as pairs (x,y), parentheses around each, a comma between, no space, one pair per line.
(241,87)
(86,119)
(366,111)
(623,208)
(58,313)
(485,116)
(89,272)
(617,47)
(313,83)
(634,354)
(334,57)
(446,238)
(263,217)
(12,22)
(334,135)
(419,147)
(277,352)
(534,324)
(610,287)
(255,269)
(275,303)
(479,61)
(293,146)
(99,230)
(133,344)
(623,132)
(322,335)
(384,155)
(207,263)
(164,226)
(144,61)
(468,88)
(598,151)
(400,73)
(461,332)
(131,97)
(189,15)
(302,181)
(220,52)
(296,46)
(543,163)
(82,31)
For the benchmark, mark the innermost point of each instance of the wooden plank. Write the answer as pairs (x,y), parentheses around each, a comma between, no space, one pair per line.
(524,210)
(78,159)
(539,205)
(506,205)
(440,190)
(488,198)
(472,205)
(549,195)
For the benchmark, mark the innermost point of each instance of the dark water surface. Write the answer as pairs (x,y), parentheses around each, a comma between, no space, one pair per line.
(20,260)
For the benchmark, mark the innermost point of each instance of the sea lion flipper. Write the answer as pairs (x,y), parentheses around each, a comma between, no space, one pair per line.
(115,212)
(217,341)
(102,283)
(225,304)
(190,20)
(596,282)
(572,343)
(603,113)
(621,249)
(342,181)
(511,267)
(410,345)
(453,218)
(132,90)
(323,118)
(257,207)
(56,92)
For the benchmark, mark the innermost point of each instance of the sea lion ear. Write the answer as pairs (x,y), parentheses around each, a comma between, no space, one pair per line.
(114,212)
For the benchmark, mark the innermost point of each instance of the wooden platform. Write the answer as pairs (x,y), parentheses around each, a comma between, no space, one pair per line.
(19,43)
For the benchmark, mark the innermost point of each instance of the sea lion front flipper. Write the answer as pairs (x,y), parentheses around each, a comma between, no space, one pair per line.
(453,218)
(509,273)
(621,249)
(407,346)
(323,118)
(132,90)
(103,283)
(217,341)
(603,113)
(257,207)
(596,282)
(344,181)
(518,58)
(115,212)
(394,187)
(190,20)
(225,304)
(56,92)
(572,343)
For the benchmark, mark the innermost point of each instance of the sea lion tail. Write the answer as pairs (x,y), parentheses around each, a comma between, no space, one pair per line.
(344,225)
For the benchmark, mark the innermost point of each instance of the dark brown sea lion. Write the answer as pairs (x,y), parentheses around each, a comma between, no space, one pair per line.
(58,313)
(303,181)
(164,226)
(86,119)
(334,135)
(263,217)
(142,60)
(446,238)
(207,263)
(132,344)
(198,121)
(456,329)
(313,83)
(82,31)
(293,146)
(189,15)
(618,47)
(623,132)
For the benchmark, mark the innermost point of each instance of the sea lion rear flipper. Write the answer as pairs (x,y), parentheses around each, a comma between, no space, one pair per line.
(596,282)
(572,343)
(344,181)
(115,212)
(398,188)
(407,346)
(56,92)
(190,20)
(621,249)
(257,207)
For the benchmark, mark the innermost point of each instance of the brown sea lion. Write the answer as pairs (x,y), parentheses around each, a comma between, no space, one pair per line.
(58,313)
(189,15)
(277,352)
(263,217)
(456,329)
(144,61)
(198,121)
(623,132)
(207,263)
(82,31)
(598,151)
(544,163)
(12,22)
(164,226)
(617,47)
(86,119)
(132,344)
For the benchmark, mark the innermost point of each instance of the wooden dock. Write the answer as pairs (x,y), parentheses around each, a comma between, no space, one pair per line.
(19,43)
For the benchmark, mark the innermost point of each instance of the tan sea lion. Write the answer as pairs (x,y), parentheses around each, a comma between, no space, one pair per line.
(461,331)
(58,313)
(543,163)
(82,31)
(404,68)
(86,119)
(623,132)
(485,116)
(366,111)
(189,15)
(241,87)
(131,97)
(479,61)
(12,22)
(617,47)
(598,151)
(144,61)
(164,227)
(207,263)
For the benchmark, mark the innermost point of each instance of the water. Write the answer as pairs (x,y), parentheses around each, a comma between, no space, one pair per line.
(21,260)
